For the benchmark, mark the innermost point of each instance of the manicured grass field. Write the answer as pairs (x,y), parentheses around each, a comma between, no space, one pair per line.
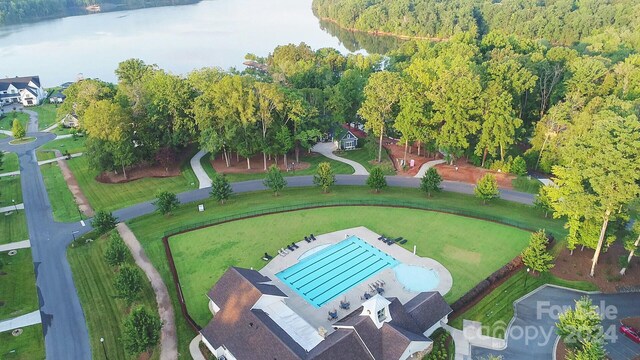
(10,189)
(72,145)
(46,115)
(28,346)
(313,159)
(10,163)
(104,312)
(6,122)
(62,203)
(149,229)
(115,196)
(363,157)
(496,309)
(18,286)
(202,256)
(13,227)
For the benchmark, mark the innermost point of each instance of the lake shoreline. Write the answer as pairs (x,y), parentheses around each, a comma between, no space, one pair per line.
(381,33)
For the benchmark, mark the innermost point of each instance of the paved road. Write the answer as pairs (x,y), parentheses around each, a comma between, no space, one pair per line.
(65,331)
(532,317)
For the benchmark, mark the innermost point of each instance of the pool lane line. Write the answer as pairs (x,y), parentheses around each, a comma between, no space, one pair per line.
(333,268)
(350,286)
(320,259)
(312,272)
(376,261)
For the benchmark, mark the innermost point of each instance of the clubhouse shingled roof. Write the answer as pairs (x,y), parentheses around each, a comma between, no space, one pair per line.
(247,332)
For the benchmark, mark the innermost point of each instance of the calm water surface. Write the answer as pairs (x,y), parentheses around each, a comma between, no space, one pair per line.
(179,39)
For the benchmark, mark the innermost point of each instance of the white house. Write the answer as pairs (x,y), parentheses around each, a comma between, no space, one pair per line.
(21,90)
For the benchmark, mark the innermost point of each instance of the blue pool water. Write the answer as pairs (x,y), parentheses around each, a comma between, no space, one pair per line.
(417,278)
(322,276)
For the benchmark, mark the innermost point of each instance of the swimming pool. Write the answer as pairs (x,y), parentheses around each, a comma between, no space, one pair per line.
(322,276)
(417,278)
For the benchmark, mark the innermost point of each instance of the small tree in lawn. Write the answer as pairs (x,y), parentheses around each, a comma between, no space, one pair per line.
(536,256)
(376,179)
(431,181)
(487,188)
(141,330)
(128,283)
(166,202)
(274,180)
(104,221)
(580,325)
(542,202)
(18,130)
(324,177)
(116,252)
(220,188)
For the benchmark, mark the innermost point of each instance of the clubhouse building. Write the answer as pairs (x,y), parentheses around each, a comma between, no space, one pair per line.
(26,91)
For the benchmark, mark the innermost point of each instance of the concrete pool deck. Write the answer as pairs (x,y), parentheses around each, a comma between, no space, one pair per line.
(317,317)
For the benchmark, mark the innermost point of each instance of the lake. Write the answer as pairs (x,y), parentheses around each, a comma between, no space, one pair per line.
(178,38)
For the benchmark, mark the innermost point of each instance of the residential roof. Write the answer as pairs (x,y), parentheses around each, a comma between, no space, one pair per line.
(23,81)
(58,94)
(427,308)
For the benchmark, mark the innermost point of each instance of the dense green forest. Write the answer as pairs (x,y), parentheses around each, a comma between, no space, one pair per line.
(22,11)
(604,26)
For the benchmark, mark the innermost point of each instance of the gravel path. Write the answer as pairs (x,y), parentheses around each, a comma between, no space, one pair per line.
(72,183)
(168,338)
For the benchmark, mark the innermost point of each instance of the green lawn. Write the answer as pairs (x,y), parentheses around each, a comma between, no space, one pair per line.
(363,157)
(18,286)
(115,196)
(62,203)
(313,159)
(46,115)
(6,122)
(150,228)
(13,227)
(72,145)
(103,312)
(10,163)
(3,136)
(496,309)
(524,184)
(203,256)
(28,346)
(10,189)
(42,155)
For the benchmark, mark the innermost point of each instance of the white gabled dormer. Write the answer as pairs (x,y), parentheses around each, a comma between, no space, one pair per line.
(377,308)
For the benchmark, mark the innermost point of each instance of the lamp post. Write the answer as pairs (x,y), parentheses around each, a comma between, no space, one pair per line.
(13,201)
(525,278)
(79,212)
(103,348)
(73,233)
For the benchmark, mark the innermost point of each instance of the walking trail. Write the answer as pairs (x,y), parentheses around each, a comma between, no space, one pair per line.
(426,166)
(168,338)
(203,177)
(72,183)
(327,150)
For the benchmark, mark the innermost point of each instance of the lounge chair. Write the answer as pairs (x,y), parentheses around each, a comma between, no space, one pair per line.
(291,248)
(380,237)
(284,251)
(307,239)
(404,241)
(267,257)
(313,237)
(294,245)
(281,253)
(397,239)
(367,296)
(390,242)
(380,291)
(345,305)
(333,315)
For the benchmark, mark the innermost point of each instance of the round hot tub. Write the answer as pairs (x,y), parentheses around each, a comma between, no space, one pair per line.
(417,278)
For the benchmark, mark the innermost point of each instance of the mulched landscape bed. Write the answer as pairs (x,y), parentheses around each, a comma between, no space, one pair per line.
(148,170)
(239,164)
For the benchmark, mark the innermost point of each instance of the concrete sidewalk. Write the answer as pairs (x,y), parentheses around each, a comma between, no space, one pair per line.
(327,150)
(31,318)
(24,244)
(44,162)
(11,208)
(203,177)
(426,166)
(12,173)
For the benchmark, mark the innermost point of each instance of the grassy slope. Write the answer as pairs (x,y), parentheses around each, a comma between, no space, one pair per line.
(46,115)
(18,286)
(10,163)
(496,309)
(115,196)
(7,121)
(150,229)
(103,312)
(203,256)
(10,189)
(62,203)
(363,157)
(312,159)
(72,145)
(28,346)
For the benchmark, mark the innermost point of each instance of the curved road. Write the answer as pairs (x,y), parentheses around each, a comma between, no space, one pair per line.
(65,330)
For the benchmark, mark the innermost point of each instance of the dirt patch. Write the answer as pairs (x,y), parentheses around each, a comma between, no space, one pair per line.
(462,254)
(72,184)
(607,276)
(561,350)
(148,170)
(464,172)
(239,164)
(396,153)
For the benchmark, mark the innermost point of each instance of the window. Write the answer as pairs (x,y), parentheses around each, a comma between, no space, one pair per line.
(382,315)
(349,144)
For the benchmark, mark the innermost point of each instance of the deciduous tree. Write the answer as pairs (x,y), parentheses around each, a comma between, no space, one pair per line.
(103,221)
(116,252)
(376,179)
(580,325)
(128,283)
(487,188)
(166,202)
(18,130)
(324,177)
(274,180)
(535,256)
(141,330)
(431,181)
(220,188)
